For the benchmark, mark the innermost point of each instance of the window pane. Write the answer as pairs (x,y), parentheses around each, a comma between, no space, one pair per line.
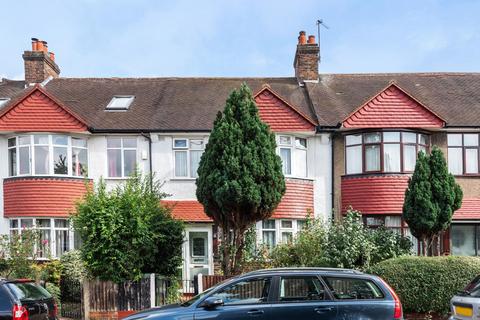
(471,160)
(181,164)
(287,224)
(114,163)
(62,242)
(24,155)
(391,157)
(287,237)
(180,143)
(409,137)
(268,224)
(44,243)
(393,221)
(300,143)
(24,140)
(196,144)
(372,137)
(114,142)
(455,160)
(422,148)
(409,157)
(61,223)
(251,291)
(40,139)
(354,160)
(43,223)
(130,159)
(372,158)
(300,162)
(129,142)
(353,139)
(60,162)
(269,238)
(41,160)
(470,140)
(60,140)
(26,223)
(286,154)
(79,142)
(13,223)
(301,289)
(463,240)
(454,140)
(79,162)
(12,142)
(301,224)
(391,137)
(195,156)
(286,140)
(422,139)
(350,288)
(12,162)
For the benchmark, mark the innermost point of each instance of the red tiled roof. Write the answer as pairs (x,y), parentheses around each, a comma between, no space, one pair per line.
(187,210)
(297,201)
(39,111)
(34,196)
(393,108)
(470,210)
(374,194)
(280,115)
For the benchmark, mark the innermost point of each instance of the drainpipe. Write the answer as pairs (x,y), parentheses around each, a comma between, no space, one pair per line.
(147,136)
(333,176)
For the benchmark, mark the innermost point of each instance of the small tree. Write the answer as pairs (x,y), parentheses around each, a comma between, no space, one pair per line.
(17,252)
(431,198)
(127,232)
(240,178)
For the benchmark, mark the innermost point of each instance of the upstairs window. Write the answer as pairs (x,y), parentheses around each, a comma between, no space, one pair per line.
(3,101)
(121,156)
(463,151)
(293,152)
(120,103)
(45,154)
(187,153)
(389,151)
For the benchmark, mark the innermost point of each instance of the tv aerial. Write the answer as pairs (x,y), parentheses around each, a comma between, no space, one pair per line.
(320,23)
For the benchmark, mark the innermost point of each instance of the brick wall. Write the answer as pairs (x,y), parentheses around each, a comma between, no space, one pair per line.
(39,66)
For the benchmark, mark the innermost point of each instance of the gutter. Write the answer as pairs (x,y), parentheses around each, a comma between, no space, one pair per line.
(142,131)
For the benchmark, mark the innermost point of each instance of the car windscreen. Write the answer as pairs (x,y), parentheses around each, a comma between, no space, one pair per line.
(28,291)
(473,288)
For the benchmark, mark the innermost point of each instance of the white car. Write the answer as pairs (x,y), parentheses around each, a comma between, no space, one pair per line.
(466,304)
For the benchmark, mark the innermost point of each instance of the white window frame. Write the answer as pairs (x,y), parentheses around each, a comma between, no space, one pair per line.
(128,103)
(51,146)
(52,228)
(463,146)
(188,150)
(294,149)
(122,155)
(294,230)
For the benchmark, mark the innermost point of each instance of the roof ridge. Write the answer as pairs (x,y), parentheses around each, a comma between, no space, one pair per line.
(400,73)
(172,78)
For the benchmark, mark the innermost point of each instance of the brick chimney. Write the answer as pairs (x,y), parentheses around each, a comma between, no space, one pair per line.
(306,58)
(39,63)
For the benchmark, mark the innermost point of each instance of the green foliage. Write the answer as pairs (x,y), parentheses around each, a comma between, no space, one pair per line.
(345,244)
(240,178)
(50,271)
(431,197)
(73,266)
(54,290)
(17,253)
(174,294)
(127,232)
(426,284)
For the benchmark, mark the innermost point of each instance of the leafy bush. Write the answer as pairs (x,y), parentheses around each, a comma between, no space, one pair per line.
(17,253)
(344,244)
(127,232)
(55,292)
(426,284)
(73,266)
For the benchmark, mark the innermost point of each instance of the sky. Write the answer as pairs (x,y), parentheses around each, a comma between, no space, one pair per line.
(230,38)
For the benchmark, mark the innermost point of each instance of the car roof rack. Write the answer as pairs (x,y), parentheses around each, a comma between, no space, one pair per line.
(306,269)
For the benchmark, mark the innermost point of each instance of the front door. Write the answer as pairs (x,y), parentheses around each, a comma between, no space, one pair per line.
(302,297)
(198,256)
(245,299)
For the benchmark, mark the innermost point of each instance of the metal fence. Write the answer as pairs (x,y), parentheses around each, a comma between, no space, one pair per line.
(71,299)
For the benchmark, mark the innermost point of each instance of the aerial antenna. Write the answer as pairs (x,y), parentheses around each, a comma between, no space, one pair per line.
(320,23)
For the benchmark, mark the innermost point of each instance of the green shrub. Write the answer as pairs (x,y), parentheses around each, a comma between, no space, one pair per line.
(73,267)
(55,292)
(426,284)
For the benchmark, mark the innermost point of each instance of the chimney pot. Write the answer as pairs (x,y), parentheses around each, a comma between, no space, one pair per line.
(302,39)
(311,39)
(39,46)
(45,46)
(52,56)
(34,44)
(39,63)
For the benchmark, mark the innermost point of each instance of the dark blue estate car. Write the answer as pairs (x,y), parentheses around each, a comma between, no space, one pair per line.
(281,294)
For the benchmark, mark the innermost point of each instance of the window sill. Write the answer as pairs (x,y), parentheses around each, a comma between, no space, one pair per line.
(466,175)
(183,179)
(299,178)
(46,177)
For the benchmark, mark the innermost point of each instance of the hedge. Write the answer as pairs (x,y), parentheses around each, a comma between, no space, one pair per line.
(426,284)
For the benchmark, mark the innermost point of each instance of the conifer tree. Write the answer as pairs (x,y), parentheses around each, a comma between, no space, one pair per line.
(240,178)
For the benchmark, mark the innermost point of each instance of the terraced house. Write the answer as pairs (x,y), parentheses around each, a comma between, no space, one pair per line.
(344,139)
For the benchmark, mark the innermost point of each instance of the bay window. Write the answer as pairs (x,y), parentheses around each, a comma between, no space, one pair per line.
(55,235)
(389,151)
(45,154)
(293,152)
(463,149)
(275,231)
(187,153)
(121,156)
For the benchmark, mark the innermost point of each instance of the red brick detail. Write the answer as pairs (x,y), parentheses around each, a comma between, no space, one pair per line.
(110,315)
(187,210)
(393,108)
(279,115)
(297,201)
(470,210)
(34,196)
(374,194)
(38,111)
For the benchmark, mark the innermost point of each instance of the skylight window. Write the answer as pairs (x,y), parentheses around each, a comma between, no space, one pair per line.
(119,103)
(3,101)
